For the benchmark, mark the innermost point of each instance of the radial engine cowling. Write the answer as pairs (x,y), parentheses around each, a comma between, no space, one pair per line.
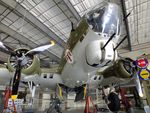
(30,63)
(121,69)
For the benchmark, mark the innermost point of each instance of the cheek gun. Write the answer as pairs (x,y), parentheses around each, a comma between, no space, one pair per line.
(100,53)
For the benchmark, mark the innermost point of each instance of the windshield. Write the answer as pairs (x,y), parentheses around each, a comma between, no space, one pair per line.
(105,20)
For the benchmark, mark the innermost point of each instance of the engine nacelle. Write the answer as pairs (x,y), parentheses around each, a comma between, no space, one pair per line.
(98,57)
(30,64)
(121,69)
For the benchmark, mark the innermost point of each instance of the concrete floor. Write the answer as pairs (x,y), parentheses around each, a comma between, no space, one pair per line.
(74,111)
(82,111)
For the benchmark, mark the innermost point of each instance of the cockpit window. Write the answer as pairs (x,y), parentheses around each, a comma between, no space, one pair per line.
(105,20)
(94,19)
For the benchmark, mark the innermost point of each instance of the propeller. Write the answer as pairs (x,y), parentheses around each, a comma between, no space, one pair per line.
(21,59)
(32,51)
(129,64)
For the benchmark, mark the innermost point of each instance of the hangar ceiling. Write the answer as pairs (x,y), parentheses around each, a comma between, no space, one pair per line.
(139,22)
(32,23)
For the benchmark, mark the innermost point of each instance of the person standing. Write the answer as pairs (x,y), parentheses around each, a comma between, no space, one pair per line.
(114,102)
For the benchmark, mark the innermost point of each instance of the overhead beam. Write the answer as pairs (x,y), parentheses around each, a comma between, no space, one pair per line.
(126,23)
(72,9)
(20,10)
(15,35)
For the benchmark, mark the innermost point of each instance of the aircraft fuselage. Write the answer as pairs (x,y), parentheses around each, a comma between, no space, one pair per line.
(80,71)
(89,53)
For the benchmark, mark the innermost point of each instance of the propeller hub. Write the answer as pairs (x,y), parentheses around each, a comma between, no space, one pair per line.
(26,60)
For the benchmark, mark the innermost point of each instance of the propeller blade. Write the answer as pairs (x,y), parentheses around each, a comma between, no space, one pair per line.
(41,48)
(3,46)
(16,81)
(7,48)
(138,85)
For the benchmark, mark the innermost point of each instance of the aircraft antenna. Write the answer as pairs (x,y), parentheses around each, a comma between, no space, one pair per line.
(72,29)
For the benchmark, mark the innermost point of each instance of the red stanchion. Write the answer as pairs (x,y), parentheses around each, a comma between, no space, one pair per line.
(15,111)
(7,96)
(124,99)
(87,105)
